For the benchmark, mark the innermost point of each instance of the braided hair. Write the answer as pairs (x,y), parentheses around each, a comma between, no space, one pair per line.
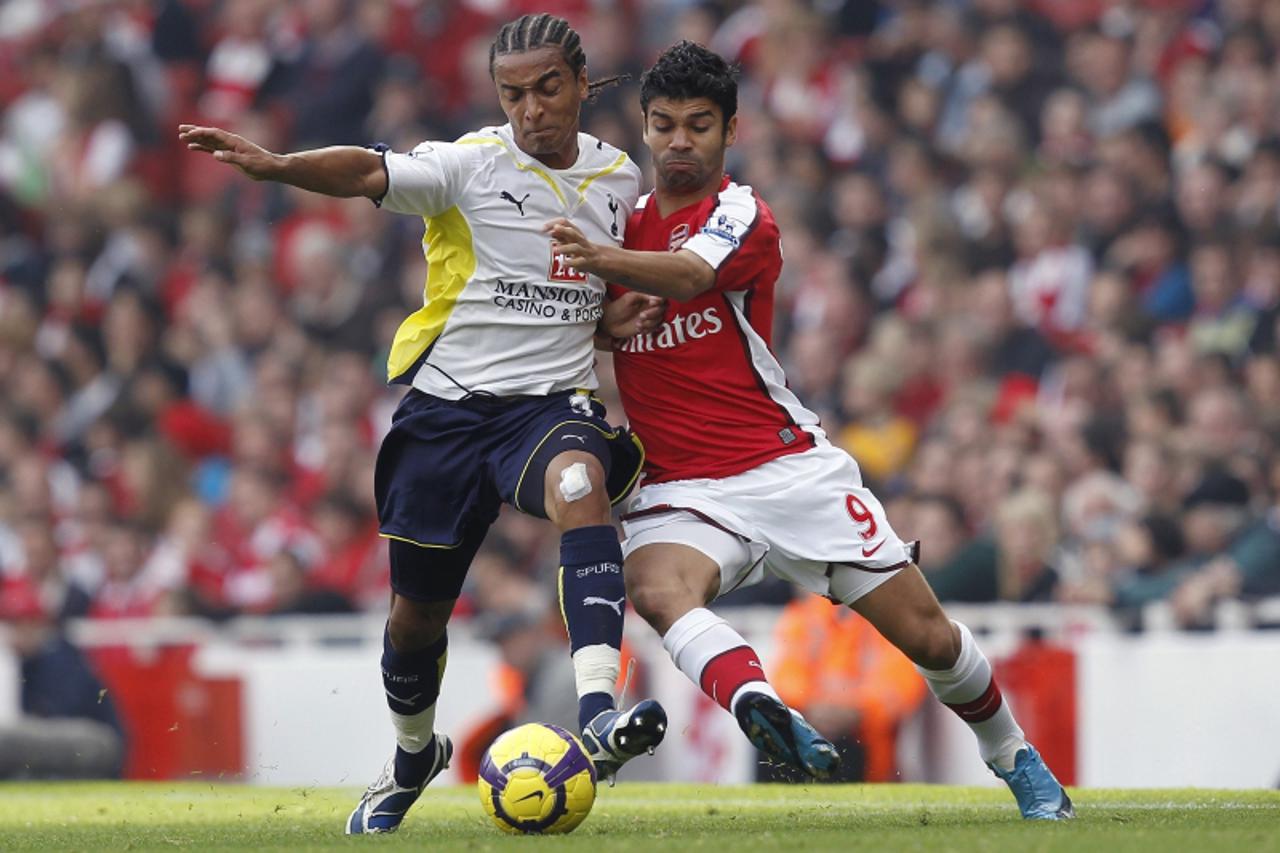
(531,32)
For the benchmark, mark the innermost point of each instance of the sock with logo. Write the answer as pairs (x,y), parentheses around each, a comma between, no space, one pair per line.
(970,690)
(593,599)
(411,681)
(715,657)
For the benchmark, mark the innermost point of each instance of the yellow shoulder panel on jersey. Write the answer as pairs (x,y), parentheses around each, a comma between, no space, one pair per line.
(451,262)
(607,170)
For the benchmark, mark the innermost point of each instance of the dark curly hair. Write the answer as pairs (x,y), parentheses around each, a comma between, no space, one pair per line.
(530,32)
(687,70)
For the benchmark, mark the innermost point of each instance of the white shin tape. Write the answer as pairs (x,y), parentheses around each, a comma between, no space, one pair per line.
(574,482)
(595,669)
(414,731)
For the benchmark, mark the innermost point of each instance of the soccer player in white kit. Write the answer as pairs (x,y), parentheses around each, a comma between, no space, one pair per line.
(500,362)
(740,479)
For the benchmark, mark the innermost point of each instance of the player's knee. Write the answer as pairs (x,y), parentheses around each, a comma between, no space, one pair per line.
(643,597)
(651,599)
(576,476)
(660,601)
(937,645)
(414,625)
(576,492)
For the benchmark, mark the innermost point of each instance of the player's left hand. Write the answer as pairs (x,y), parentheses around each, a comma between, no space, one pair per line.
(226,147)
(571,244)
(632,314)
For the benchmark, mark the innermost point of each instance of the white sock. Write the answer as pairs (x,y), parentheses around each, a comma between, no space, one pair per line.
(700,639)
(969,689)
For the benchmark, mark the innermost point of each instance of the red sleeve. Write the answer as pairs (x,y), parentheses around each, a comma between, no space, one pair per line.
(758,259)
(738,239)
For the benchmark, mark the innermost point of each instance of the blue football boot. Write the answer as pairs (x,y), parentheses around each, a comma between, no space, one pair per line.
(1038,792)
(615,737)
(385,803)
(784,735)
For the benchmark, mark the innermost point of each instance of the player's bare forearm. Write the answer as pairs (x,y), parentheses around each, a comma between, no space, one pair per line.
(679,276)
(344,171)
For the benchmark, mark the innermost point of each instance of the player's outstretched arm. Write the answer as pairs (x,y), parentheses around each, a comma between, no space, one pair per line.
(344,171)
(678,275)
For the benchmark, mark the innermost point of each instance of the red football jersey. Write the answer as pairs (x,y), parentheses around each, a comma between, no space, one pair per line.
(704,391)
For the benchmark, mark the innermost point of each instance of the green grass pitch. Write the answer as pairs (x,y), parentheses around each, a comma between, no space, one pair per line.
(168,816)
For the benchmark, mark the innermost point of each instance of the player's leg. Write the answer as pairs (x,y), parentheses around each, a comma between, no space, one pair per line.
(905,610)
(669,585)
(566,463)
(592,593)
(830,534)
(415,649)
(593,603)
(435,508)
(673,571)
(425,585)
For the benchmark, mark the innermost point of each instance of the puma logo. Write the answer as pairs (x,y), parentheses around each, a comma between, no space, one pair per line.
(506,196)
(595,599)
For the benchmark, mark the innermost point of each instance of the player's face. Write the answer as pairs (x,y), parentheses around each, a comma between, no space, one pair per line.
(687,139)
(542,99)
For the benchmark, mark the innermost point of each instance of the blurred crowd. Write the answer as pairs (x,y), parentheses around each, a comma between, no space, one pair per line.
(1032,284)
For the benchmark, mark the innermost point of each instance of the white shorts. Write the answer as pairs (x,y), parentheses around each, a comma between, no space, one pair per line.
(805,518)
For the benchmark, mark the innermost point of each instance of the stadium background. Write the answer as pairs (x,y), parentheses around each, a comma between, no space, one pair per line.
(1032,284)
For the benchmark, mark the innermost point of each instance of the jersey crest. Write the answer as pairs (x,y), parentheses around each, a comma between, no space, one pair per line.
(678,235)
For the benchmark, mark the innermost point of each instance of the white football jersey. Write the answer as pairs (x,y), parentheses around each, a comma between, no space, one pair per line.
(500,313)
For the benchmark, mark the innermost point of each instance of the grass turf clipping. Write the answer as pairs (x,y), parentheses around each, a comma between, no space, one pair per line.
(165,816)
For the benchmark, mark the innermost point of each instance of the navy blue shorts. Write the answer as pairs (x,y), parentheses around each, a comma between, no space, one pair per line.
(446,467)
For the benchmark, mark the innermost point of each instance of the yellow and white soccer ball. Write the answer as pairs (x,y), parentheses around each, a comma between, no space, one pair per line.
(537,778)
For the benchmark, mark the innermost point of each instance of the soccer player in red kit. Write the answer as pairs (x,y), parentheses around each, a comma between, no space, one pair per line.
(740,478)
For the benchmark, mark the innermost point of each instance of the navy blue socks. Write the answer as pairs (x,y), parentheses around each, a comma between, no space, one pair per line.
(412,684)
(593,598)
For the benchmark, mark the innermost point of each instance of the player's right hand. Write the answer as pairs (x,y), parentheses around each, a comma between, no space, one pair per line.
(254,160)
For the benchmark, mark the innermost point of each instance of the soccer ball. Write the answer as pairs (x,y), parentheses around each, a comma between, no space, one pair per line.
(537,778)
